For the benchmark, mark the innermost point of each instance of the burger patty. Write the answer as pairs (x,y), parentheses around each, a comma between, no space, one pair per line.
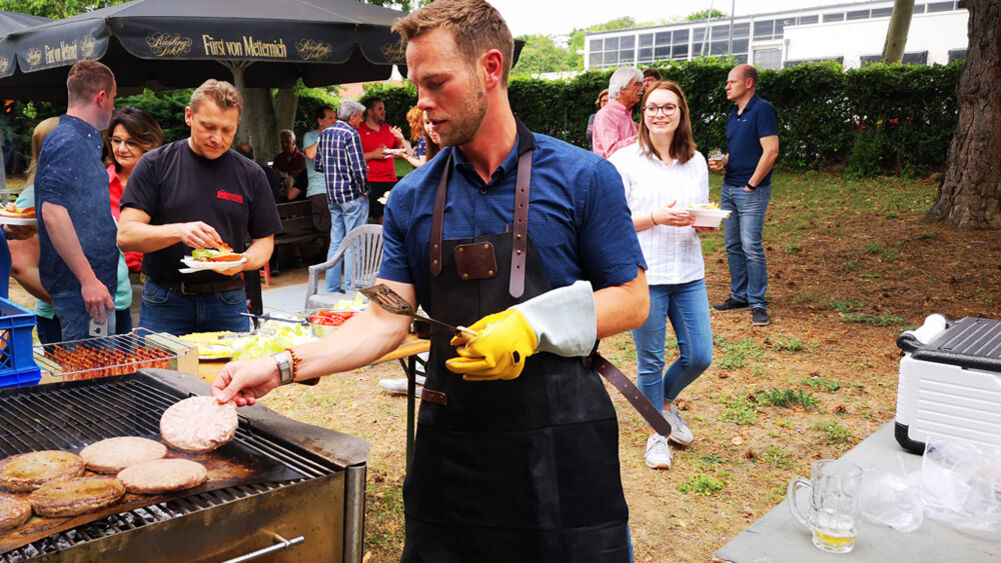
(198,424)
(70,497)
(163,475)
(26,472)
(13,512)
(115,454)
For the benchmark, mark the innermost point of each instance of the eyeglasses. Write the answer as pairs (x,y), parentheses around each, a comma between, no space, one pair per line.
(654,111)
(129,144)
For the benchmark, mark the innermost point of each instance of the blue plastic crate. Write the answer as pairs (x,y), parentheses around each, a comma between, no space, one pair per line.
(17,363)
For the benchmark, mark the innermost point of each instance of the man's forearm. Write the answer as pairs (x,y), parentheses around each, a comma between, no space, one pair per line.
(134,236)
(258,253)
(622,307)
(59,225)
(769,153)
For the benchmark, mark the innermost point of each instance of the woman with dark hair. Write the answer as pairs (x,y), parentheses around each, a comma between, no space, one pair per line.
(421,133)
(663,174)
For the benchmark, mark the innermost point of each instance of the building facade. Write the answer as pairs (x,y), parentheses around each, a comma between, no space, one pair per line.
(852,34)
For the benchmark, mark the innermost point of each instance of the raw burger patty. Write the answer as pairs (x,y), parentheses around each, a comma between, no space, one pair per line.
(162,475)
(26,472)
(115,454)
(13,512)
(198,424)
(71,497)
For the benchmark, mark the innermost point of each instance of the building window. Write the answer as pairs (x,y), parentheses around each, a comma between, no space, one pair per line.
(594,60)
(919,8)
(741,30)
(627,42)
(957,55)
(740,59)
(681,37)
(719,32)
(919,58)
(612,44)
(940,7)
(645,55)
(718,47)
(768,59)
(764,30)
(664,38)
(611,58)
(857,15)
(882,12)
(739,46)
(780,25)
(595,45)
(834,17)
(679,52)
(662,53)
(807,20)
(646,40)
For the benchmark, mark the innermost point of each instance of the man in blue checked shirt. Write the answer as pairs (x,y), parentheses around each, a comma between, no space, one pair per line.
(340,158)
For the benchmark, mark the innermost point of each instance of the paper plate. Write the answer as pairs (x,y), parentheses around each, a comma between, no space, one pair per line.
(12,220)
(200,265)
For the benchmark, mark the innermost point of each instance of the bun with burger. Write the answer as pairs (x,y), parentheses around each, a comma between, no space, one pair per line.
(222,254)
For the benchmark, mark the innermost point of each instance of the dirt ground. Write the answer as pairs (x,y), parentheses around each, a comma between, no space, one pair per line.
(849,269)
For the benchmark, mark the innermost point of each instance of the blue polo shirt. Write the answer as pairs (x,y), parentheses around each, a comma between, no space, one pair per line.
(70,173)
(578,218)
(743,139)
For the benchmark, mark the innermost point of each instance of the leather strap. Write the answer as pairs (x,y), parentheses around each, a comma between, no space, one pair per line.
(650,413)
(519,245)
(438,218)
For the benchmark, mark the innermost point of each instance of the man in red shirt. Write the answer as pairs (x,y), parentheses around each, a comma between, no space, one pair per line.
(376,137)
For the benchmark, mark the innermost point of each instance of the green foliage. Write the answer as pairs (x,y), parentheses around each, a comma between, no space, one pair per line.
(825,384)
(786,398)
(167,108)
(738,410)
(736,354)
(788,344)
(778,458)
(845,305)
(835,433)
(882,319)
(405,5)
(398,100)
(705,14)
(540,54)
(705,485)
(56,9)
(793,248)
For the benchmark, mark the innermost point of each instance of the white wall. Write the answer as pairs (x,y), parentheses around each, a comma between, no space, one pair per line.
(935,33)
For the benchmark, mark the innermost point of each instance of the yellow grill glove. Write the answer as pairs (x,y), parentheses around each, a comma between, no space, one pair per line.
(504,340)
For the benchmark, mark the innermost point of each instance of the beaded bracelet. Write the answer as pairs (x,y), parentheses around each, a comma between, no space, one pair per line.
(295,363)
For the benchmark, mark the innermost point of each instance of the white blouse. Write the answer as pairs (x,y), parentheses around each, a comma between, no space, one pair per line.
(673,254)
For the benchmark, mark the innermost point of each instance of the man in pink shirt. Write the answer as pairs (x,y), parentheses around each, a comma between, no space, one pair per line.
(614,127)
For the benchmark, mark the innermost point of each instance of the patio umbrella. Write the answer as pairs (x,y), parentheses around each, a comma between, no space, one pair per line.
(9,23)
(168,44)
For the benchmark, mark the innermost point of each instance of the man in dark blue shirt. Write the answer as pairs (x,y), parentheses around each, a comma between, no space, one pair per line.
(78,260)
(753,145)
(516,454)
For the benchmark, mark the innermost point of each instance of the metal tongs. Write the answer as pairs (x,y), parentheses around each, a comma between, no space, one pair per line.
(390,301)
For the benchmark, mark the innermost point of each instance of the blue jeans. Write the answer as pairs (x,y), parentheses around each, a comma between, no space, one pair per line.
(71,313)
(742,233)
(687,307)
(170,311)
(51,332)
(343,218)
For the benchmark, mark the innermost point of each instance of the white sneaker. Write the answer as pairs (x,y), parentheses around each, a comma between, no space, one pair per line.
(680,433)
(658,452)
(399,386)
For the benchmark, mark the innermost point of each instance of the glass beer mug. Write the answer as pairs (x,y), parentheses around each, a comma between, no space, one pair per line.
(835,508)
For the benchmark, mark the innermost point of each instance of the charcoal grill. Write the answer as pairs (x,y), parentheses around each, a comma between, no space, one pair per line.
(318,517)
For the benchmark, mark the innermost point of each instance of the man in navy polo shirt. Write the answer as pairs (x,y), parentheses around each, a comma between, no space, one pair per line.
(753,145)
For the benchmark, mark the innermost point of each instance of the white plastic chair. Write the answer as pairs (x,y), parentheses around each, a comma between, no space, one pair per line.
(365,243)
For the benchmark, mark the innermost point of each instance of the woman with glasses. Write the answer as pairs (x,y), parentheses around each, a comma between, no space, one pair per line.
(663,174)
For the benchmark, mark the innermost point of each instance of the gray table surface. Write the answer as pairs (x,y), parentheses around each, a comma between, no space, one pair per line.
(777,538)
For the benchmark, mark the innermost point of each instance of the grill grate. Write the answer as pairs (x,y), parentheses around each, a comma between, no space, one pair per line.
(69,416)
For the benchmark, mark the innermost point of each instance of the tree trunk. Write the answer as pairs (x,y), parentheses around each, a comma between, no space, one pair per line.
(896,34)
(286,103)
(258,124)
(970,194)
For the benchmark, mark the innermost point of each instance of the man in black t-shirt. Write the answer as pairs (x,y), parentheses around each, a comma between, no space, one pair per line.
(196,193)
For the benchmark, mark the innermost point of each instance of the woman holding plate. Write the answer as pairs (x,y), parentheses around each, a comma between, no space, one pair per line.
(663,174)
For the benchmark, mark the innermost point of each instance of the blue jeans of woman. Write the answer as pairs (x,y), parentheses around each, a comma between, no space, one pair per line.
(686,305)
(742,234)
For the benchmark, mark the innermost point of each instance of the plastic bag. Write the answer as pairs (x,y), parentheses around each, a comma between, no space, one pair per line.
(961,484)
(891,496)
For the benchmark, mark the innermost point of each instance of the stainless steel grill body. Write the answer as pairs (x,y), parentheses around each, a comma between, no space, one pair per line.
(325,506)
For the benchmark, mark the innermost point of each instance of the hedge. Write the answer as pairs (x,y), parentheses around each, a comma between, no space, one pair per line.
(872,120)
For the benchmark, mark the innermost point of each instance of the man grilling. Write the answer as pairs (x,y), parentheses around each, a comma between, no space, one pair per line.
(516,456)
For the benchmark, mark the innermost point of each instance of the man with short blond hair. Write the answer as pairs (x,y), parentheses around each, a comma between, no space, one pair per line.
(78,260)
(614,127)
(197,193)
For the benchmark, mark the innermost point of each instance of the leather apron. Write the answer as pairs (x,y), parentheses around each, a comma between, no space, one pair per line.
(509,471)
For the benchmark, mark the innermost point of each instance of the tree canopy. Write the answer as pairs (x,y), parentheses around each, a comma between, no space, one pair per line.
(541,54)
(704,14)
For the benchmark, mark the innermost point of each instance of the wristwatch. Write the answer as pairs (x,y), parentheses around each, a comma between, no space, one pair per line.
(748,185)
(284,367)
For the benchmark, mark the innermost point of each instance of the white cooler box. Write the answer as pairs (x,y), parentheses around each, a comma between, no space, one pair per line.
(950,383)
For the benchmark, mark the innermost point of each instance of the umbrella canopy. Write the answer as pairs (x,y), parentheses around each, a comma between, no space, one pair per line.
(9,23)
(167,44)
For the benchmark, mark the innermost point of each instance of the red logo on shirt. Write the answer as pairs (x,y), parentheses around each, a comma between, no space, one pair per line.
(223,194)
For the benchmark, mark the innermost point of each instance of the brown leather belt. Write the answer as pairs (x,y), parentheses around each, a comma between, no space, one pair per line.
(650,413)
(186,288)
